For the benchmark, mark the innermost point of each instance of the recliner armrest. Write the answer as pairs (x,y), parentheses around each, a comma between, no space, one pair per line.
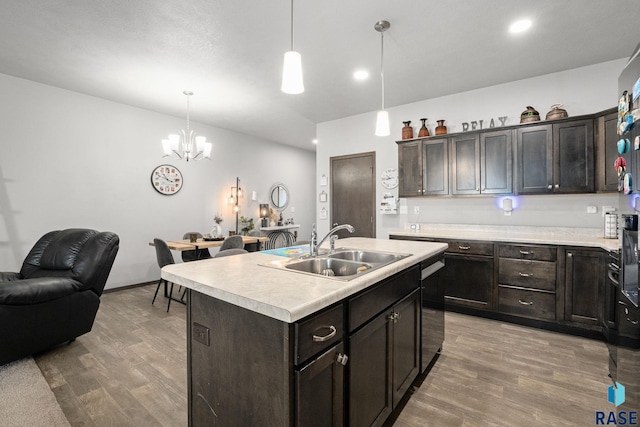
(9,276)
(37,290)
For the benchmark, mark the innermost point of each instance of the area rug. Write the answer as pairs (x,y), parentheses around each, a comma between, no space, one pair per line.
(25,397)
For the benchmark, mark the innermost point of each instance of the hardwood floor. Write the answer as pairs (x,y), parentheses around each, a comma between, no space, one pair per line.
(130,370)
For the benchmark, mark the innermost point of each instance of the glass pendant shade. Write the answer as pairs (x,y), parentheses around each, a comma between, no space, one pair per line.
(292,73)
(382,123)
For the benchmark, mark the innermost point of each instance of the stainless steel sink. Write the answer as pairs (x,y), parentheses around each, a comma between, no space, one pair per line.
(328,266)
(341,264)
(366,256)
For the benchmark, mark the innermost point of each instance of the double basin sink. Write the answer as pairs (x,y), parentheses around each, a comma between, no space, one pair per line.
(341,264)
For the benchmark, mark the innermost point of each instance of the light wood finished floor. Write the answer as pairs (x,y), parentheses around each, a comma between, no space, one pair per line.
(131,371)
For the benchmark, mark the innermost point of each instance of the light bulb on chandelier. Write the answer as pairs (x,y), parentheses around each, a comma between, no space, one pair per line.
(187,145)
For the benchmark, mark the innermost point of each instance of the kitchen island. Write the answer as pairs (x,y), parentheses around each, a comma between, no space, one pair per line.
(281,348)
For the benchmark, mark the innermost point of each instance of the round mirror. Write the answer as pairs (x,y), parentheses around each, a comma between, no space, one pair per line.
(279,196)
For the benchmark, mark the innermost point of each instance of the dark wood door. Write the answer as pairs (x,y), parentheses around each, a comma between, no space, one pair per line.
(468,280)
(606,152)
(353,193)
(583,280)
(435,161)
(496,162)
(573,157)
(406,344)
(319,391)
(535,160)
(370,399)
(410,169)
(465,164)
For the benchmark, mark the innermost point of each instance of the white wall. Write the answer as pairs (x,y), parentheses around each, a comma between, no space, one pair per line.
(584,90)
(71,160)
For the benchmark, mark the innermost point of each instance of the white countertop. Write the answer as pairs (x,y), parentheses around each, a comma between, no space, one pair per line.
(286,295)
(589,237)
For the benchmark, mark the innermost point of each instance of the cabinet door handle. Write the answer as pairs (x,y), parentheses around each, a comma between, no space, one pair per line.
(557,186)
(331,334)
(464,247)
(525,302)
(549,187)
(525,274)
(394,316)
(342,359)
(633,322)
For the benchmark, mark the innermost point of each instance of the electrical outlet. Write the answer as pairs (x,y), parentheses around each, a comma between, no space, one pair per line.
(293,210)
(200,333)
(592,209)
(416,210)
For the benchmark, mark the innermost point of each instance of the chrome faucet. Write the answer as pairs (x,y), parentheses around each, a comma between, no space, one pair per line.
(314,245)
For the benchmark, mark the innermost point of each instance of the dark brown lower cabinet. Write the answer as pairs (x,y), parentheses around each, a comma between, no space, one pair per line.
(468,280)
(320,391)
(384,361)
(584,276)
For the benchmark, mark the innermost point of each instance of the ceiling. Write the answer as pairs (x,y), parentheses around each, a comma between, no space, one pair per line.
(229,52)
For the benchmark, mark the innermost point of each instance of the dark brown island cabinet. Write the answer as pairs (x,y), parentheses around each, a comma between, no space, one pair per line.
(348,364)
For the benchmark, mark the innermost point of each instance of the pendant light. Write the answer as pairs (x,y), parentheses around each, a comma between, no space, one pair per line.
(292,69)
(382,118)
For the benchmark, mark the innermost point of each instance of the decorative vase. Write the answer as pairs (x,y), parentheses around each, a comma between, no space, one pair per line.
(272,223)
(216,231)
(424,131)
(407,130)
(441,129)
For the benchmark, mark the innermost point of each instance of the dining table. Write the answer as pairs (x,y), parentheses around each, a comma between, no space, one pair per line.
(201,243)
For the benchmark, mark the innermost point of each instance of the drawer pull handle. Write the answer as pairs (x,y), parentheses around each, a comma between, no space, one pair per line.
(633,322)
(342,359)
(464,247)
(525,253)
(525,302)
(317,338)
(525,274)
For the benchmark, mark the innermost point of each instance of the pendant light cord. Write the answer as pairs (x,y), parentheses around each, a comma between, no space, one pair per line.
(382,65)
(188,96)
(292,25)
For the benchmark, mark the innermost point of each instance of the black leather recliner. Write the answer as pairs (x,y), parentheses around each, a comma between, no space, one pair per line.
(55,296)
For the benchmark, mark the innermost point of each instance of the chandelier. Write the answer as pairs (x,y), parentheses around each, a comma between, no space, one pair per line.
(187,145)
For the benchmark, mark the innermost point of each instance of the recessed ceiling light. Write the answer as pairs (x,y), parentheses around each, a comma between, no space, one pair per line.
(315,141)
(361,75)
(520,26)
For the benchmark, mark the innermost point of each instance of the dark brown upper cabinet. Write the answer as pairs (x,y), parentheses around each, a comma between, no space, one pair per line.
(423,167)
(606,152)
(465,164)
(496,162)
(535,160)
(410,169)
(556,158)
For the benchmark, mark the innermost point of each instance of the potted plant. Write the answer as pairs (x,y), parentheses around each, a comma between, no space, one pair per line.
(247,225)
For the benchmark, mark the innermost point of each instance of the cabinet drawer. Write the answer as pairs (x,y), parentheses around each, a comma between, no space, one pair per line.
(470,247)
(368,304)
(318,332)
(534,253)
(527,303)
(527,274)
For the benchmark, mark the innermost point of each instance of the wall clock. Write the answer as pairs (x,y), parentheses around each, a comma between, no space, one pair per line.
(389,178)
(166,179)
